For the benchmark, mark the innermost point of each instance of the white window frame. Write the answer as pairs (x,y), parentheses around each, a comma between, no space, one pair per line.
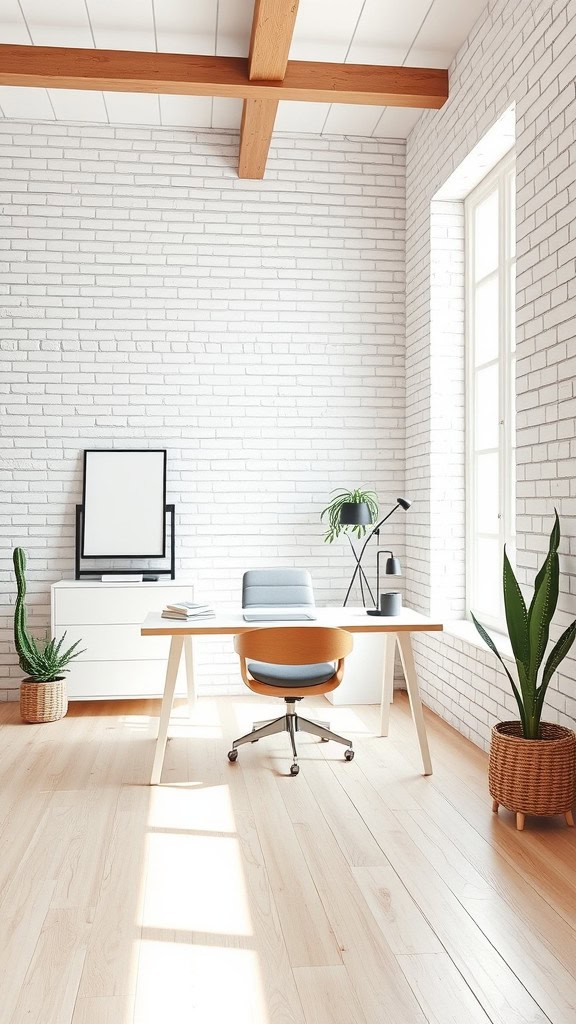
(502,178)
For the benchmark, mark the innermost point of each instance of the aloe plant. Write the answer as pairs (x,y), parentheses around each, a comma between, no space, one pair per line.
(45,661)
(529,631)
(356,497)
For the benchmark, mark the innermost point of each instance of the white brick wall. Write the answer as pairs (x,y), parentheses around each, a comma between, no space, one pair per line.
(520,51)
(255,329)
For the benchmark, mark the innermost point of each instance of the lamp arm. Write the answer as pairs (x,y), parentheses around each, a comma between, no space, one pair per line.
(375,530)
(381,551)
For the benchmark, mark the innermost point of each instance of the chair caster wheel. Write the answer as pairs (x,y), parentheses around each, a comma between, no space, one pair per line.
(324,739)
(232,755)
(294,769)
(349,755)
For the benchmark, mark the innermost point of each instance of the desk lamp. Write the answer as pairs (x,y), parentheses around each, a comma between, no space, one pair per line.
(359,514)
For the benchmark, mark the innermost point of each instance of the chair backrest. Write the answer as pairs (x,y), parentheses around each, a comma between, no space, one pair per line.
(281,587)
(294,645)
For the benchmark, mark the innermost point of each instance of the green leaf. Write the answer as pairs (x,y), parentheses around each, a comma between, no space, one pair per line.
(543,604)
(516,616)
(490,643)
(69,655)
(557,655)
(553,546)
(542,608)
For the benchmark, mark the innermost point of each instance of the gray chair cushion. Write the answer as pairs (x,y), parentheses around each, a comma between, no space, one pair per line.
(280,587)
(291,675)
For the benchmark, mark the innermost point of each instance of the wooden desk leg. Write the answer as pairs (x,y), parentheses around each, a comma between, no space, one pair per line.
(407,658)
(176,644)
(190,682)
(387,681)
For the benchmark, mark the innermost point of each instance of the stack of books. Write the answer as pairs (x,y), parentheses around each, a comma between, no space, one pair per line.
(187,610)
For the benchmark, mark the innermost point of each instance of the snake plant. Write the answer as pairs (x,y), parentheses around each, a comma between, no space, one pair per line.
(357,497)
(529,630)
(45,661)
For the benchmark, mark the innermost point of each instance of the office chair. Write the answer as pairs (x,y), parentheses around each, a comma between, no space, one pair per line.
(292,662)
(282,588)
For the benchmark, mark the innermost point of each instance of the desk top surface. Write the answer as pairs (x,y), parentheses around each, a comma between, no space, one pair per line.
(355,620)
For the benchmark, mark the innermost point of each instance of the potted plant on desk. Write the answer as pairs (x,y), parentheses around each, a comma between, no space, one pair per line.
(43,693)
(532,766)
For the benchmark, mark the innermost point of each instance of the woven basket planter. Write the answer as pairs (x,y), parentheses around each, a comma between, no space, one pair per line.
(43,702)
(533,776)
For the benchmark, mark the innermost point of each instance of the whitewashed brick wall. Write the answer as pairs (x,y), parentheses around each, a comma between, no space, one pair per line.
(254,329)
(520,51)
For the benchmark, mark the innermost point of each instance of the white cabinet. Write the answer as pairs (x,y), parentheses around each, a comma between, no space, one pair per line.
(363,671)
(106,617)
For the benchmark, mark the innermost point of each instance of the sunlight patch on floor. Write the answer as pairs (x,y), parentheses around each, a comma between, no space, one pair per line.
(195,808)
(195,884)
(343,720)
(139,723)
(186,729)
(179,983)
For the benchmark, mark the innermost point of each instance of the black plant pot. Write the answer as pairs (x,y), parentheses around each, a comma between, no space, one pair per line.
(355,513)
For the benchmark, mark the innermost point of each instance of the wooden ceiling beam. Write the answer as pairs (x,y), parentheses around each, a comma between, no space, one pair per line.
(181,74)
(256,127)
(272,29)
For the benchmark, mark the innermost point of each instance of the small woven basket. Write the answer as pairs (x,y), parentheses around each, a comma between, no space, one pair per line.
(43,702)
(533,776)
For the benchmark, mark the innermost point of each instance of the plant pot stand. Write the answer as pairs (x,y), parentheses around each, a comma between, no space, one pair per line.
(533,777)
(521,816)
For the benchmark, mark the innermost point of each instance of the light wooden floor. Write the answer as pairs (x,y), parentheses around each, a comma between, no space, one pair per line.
(357,893)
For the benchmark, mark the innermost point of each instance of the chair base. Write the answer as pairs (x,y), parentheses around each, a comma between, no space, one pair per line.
(291,723)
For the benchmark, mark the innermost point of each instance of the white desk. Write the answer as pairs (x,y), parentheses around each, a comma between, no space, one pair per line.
(398,630)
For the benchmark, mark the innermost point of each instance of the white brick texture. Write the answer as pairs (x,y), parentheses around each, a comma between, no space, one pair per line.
(148,297)
(522,52)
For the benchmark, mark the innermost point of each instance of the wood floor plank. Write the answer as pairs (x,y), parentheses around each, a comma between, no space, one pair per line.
(349,829)
(480,874)
(487,974)
(551,984)
(441,990)
(111,964)
(246,919)
(406,929)
(372,967)
(49,991)
(101,1010)
(328,996)
(309,937)
(21,923)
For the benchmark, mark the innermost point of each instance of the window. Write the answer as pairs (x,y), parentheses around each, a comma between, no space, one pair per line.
(490,392)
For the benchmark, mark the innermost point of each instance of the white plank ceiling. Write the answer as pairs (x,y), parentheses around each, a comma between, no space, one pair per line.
(416,33)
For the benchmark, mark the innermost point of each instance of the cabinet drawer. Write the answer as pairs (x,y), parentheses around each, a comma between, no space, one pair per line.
(109,605)
(118,642)
(114,680)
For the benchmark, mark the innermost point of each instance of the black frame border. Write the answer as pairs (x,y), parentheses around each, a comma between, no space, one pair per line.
(124,451)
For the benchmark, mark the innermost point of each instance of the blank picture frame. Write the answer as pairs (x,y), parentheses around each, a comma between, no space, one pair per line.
(124,501)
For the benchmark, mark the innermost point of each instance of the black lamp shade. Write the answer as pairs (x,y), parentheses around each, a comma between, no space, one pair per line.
(355,513)
(404,503)
(393,566)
